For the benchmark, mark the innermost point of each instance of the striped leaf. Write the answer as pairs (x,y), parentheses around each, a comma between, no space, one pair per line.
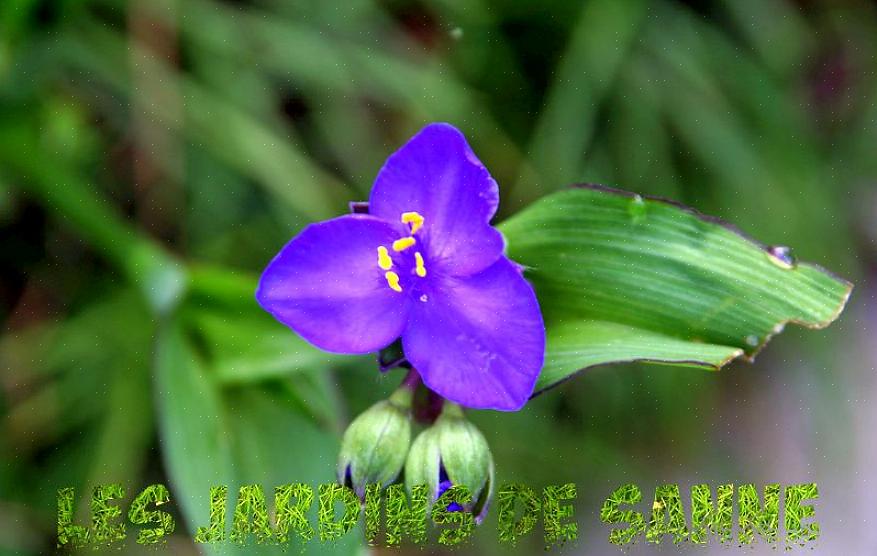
(621,277)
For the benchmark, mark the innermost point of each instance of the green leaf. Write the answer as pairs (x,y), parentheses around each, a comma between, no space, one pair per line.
(621,277)
(244,343)
(195,446)
(234,437)
(597,50)
(275,445)
(78,415)
(252,346)
(254,148)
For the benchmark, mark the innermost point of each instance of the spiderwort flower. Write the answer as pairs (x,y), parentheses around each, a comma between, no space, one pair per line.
(452,452)
(424,264)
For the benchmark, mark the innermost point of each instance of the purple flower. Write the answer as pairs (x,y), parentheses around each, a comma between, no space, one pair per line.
(424,265)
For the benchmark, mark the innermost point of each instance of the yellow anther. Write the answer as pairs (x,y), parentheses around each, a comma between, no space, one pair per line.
(393,281)
(413,218)
(403,244)
(420,269)
(384,260)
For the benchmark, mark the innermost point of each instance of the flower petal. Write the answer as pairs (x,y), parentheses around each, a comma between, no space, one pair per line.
(437,175)
(326,285)
(479,341)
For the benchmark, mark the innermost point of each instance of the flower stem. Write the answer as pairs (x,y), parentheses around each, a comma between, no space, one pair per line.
(412,379)
(450,409)
(403,396)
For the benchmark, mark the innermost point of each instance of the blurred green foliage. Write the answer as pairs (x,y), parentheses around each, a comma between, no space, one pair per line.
(155,155)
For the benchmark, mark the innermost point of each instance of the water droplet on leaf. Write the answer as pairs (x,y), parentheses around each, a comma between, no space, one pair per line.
(752,340)
(781,256)
(637,208)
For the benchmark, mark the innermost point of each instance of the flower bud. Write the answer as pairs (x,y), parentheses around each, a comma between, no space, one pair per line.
(375,444)
(452,452)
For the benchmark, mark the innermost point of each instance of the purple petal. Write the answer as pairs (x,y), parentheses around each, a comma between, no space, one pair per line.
(444,484)
(443,487)
(326,285)
(479,341)
(437,175)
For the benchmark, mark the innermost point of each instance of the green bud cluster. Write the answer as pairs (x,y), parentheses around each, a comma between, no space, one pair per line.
(451,452)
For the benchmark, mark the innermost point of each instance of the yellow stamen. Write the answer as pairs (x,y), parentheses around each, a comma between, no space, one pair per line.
(420,269)
(393,281)
(403,244)
(413,218)
(384,260)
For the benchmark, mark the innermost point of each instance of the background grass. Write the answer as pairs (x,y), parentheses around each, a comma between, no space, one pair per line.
(155,155)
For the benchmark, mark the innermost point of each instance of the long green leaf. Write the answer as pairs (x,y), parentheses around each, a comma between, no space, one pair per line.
(252,346)
(274,445)
(621,277)
(195,445)
(234,437)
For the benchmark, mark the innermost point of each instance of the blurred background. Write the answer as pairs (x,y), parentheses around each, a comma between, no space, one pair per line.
(154,155)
